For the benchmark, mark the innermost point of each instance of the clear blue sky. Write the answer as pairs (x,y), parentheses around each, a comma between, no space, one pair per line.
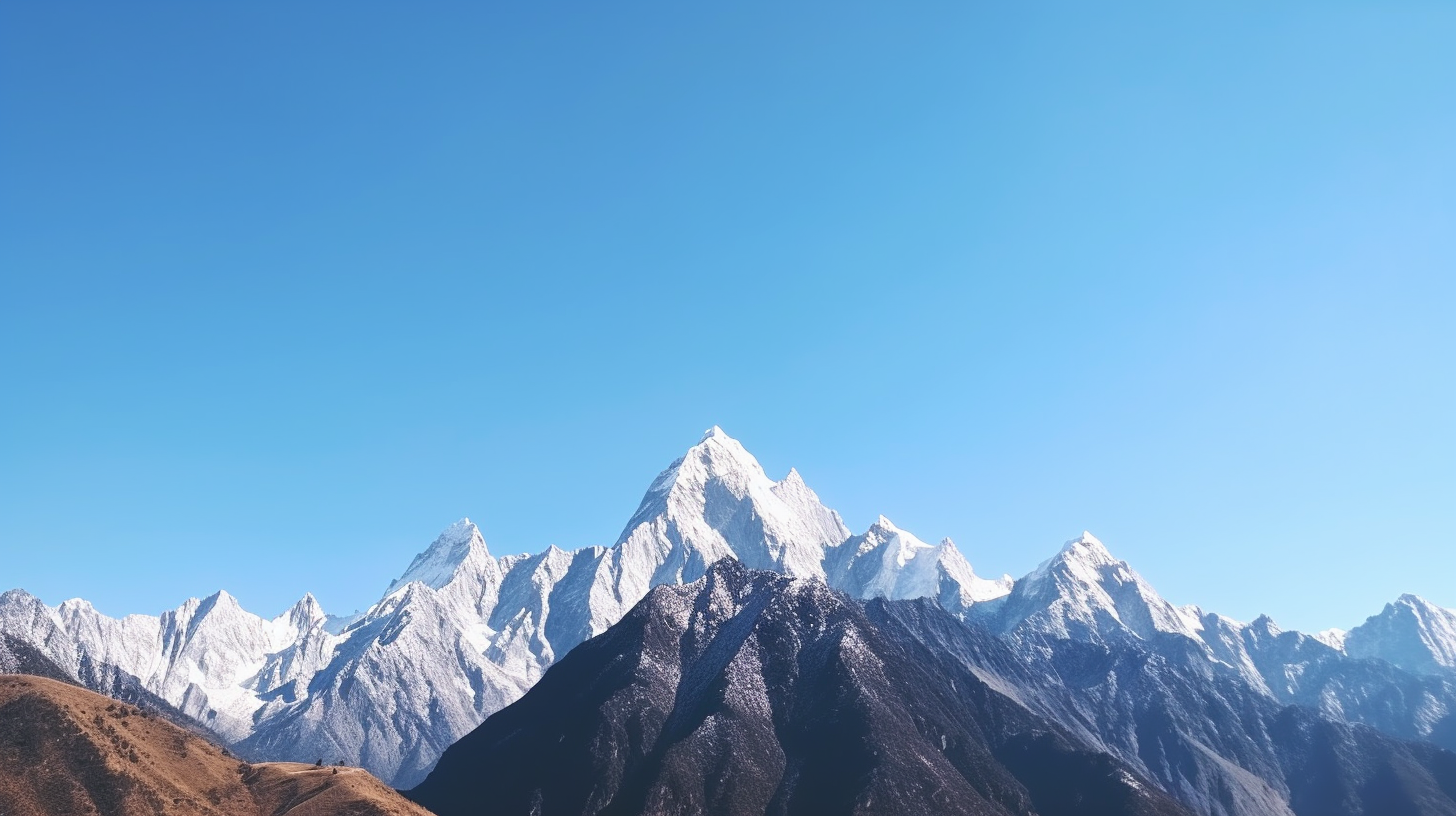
(285,290)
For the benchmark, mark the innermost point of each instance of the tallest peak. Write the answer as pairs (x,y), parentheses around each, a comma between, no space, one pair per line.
(1086,549)
(714,432)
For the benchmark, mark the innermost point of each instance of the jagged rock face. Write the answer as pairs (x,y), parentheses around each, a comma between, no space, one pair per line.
(1083,593)
(750,693)
(462,632)
(20,657)
(1411,633)
(1305,670)
(209,658)
(887,562)
(24,618)
(1189,724)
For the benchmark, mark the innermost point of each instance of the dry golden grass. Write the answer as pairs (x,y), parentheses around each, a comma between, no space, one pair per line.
(66,751)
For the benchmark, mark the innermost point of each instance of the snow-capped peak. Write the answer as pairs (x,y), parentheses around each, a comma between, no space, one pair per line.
(75,606)
(1087,549)
(1084,592)
(1411,633)
(883,526)
(719,455)
(301,617)
(715,502)
(1265,626)
(219,601)
(303,614)
(460,543)
(888,562)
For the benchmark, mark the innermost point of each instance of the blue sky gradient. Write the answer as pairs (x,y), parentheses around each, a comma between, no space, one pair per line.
(284,291)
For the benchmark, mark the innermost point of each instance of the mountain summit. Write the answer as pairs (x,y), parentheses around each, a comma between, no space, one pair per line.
(746,692)
(462,633)
(716,502)
(1411,633)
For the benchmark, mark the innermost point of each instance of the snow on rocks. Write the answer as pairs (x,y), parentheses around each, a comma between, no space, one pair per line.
(1411,633)
(462,633)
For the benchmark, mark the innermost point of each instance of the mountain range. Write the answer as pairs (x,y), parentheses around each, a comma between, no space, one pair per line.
(1082,642)
(746,692)
(750,693)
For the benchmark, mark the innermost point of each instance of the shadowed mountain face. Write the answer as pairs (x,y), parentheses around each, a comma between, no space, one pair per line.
(18,656)
(1189,724)
(749,693)
(65,750)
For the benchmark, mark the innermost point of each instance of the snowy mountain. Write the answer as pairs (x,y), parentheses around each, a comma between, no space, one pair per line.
(887,562)
(1193,727)
(209,658)
(1085,597)
(1411,633)
(747,693)
(750,693)
(1083,592)
(461,633)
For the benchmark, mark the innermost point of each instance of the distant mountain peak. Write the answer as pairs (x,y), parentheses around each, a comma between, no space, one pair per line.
(1333,638)
(458,544)
(884,525)
(306,610)
(1411,633)
(1265,625)
(1415,601)
(1089,549)
(887,562)
(713,433)
(1085,592)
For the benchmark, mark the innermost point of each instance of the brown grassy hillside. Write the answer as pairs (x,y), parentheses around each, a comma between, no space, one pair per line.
(66,751)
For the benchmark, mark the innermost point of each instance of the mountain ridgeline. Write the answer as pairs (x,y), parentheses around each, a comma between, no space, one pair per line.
(1081,666)
(750,693)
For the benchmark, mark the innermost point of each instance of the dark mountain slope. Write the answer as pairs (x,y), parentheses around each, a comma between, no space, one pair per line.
(1301,670)
(748,693)
(1197,730)
(18,656)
